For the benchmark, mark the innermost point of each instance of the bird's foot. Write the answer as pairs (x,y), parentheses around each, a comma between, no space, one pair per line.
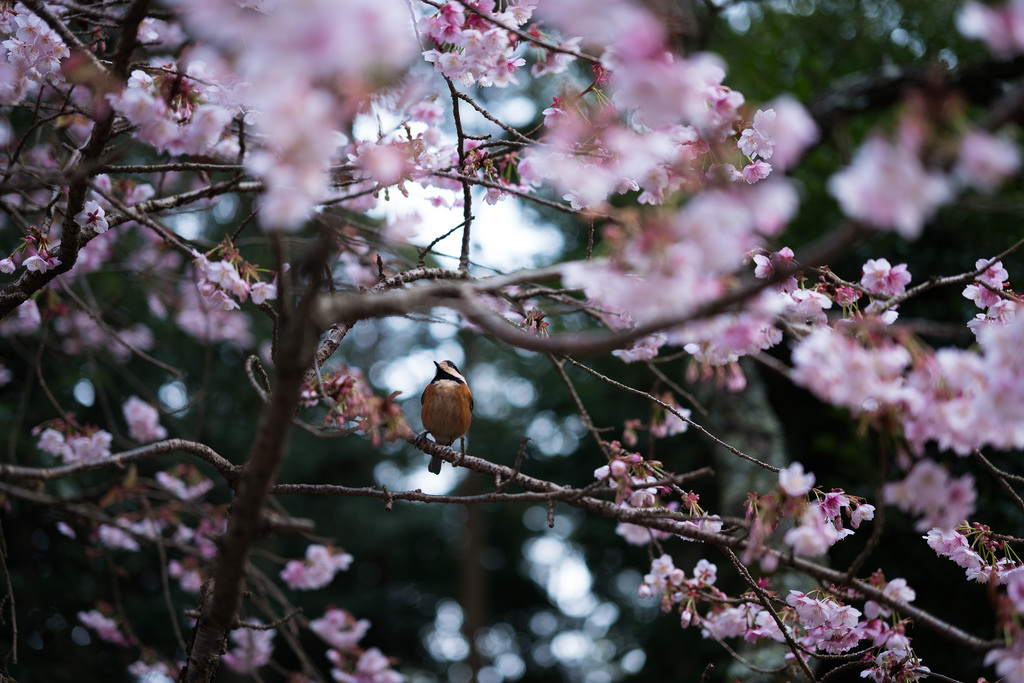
(457,456)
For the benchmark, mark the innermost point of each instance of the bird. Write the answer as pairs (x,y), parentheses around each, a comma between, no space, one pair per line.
(447,408)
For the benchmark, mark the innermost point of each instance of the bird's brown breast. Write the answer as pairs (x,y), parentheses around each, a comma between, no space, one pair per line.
(446,413)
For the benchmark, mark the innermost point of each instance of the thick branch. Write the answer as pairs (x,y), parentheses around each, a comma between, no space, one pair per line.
(220,606)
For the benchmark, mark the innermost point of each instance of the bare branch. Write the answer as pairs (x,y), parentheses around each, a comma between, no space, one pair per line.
(200,450)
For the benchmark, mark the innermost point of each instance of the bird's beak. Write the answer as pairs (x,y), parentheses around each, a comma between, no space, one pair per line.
(437,365)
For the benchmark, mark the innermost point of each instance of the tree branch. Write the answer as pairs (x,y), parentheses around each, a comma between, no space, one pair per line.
(202,451)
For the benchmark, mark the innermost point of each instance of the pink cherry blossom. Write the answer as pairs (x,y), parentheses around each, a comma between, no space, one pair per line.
(1000,26)
(755,171)
(986,160)
(929,491)
(35,51)
(117,538)
(92,216)
(261,292)
(143,420)
(253,648)
(809,306)
(189,579)
(994,277)
(794,481)
(878,277)
(887,187)
(863,512)
(40,264)
(318,569)
(758,140)
(181,489)
(833,503)
(837,368)
(813,536)
(26,319)
(371,667)
(1008,661)
(705,573)
(339,629)
(106,628)
(791,131)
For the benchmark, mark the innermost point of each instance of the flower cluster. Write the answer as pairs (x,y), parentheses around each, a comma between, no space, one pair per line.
(996,24)
(887,187)
(351,405)
(143,420)
(317,570)
(476,50)
(984,558)
(819,523)
(371,667)
(34,53)
(988,292)
(187,573)
(821,623)
(947,396)
(666,421)
(185,481)
(636,485)
(929,491)
(174,111)
(829,625)
(126,532)
(62,439)
(36,253)
(837,367)
(339,629)
(106,627)
(253,647)
(230,276)
(669,583)
(880,278)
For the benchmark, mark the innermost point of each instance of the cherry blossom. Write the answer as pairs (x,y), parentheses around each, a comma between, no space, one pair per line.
(252,648)
(1000,26)
(887,187)
(92,216)
(758,140)
(106,628)
(318,569)
(986,161)
(176,483)
(339,629)
(143,420)
(372,667)
(883,279)
(794,481)
(928,490)
(814,535)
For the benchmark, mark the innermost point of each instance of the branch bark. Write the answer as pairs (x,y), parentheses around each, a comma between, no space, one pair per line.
(222,597)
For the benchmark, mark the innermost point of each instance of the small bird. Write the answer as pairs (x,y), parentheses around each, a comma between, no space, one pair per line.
(447,408)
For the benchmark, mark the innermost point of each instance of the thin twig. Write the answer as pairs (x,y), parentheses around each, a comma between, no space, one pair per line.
(732,449)
(467,195)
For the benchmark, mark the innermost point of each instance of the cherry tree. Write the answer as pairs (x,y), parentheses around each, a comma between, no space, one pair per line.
(134,131)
